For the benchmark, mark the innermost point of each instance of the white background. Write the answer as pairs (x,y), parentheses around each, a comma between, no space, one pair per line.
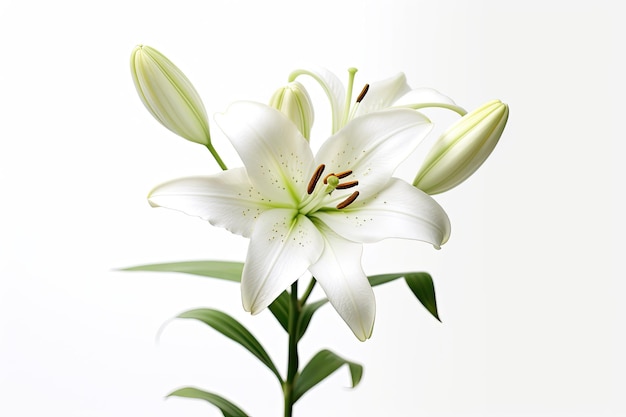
(528,287)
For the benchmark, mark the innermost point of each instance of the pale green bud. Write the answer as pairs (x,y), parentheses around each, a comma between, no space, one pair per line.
(169,95)
(294,102)
(463,148)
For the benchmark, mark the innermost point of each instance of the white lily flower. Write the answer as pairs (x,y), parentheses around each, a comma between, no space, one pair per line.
(169,95)
(304,212)
(463,148)
(380,95)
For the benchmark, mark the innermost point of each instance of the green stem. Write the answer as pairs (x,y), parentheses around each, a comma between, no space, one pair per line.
(216,156)
(292,364)
(307,292)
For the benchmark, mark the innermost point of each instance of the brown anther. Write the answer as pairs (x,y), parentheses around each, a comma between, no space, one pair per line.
(348,184)
(345,203)
(343,174)
(315,178)
(328,176)
(363,92)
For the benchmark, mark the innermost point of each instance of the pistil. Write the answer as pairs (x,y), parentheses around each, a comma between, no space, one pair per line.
(346,110)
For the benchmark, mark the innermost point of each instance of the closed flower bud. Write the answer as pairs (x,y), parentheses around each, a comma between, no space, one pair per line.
(169,95)
(294,102)
(462,148)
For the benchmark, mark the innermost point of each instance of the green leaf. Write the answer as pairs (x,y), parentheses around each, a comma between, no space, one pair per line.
(384,278)
(319,367)
(306,315)
(234,330)
(227,408)
(230,271)
(280,309)
(422,286)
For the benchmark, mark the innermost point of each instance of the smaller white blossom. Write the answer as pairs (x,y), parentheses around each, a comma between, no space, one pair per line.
(392,92)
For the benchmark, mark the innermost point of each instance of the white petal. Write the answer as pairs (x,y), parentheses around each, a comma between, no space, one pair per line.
(332,87)
(420,96)
(399,210)
(278,160)
(282,247)
(341,276)
(226,199)
(372,146)
(382,94)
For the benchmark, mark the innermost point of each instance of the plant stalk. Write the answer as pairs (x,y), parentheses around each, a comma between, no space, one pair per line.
(292,364)
(216,156)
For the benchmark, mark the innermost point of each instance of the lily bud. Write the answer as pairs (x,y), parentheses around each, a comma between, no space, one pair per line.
(463,148)
(169,95)
(294,102)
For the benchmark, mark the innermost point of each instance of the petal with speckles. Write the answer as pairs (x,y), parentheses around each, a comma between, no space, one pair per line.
(226,199)
(399,210)
(341,276)
(278,159)
(282,247)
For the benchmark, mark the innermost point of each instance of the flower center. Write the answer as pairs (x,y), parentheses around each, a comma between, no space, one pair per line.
(318,192)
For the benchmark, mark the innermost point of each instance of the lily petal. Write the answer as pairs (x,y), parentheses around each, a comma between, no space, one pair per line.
(421,96)
(226,199)
(282,247)
(383,94)
(373,146)
(333,88)
(399,210)
(340,275)
(278,160)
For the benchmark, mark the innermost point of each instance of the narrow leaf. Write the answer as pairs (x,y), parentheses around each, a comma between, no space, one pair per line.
(234,330)
(227,408)
(230,271)
(422,286)
(321,366)
(306,315)
(384,278)
(280,309)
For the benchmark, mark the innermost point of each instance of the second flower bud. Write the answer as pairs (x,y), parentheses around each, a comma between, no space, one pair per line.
(294,102)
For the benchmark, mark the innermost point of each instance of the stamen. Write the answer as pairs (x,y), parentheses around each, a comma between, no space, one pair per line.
(363,92)
(315,178)
(345,185)
(343,174)
(345,203)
